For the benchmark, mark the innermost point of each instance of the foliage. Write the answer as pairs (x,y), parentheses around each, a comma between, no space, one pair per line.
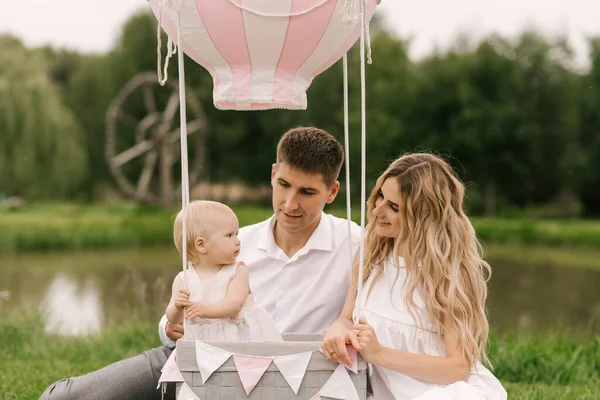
(49,226)
(516,118)
(41,153)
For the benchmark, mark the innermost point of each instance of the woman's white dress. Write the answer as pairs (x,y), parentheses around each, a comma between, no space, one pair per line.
(385,310)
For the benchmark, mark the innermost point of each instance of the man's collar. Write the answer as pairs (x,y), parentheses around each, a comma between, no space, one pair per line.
(321,238)
(267,241)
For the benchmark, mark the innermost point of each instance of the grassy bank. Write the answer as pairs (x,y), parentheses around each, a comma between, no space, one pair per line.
(72,226)
(558,366)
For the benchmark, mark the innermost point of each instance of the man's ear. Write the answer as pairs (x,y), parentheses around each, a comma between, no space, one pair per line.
(273,171)
(200,245)
(333,191)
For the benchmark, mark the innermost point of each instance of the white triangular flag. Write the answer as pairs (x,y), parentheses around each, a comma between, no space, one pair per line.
(209,359)
(293,368)
(186,393)
(339,385)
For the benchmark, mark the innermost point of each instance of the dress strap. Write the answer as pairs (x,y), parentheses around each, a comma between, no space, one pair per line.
(229,271)
(240,264)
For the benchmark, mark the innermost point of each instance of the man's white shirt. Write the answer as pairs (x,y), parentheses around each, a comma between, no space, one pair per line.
(304,293)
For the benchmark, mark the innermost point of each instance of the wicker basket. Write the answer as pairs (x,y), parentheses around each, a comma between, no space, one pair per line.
(225,384)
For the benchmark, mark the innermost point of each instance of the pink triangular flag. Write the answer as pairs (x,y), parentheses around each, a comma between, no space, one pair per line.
(354,357)
(251,369)
(339,385)
(293,368)
(316,397)
(170,371)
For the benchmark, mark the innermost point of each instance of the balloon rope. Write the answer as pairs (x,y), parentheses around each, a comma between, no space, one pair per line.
(357,310)
(347,158)
(185,185)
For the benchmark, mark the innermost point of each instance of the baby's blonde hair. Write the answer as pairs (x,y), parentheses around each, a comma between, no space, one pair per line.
(201,217)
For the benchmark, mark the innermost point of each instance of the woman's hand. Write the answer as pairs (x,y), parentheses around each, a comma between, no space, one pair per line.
(334,343)
(197,310)
(368,341)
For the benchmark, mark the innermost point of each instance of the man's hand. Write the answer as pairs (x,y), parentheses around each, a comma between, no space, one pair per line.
(174,331)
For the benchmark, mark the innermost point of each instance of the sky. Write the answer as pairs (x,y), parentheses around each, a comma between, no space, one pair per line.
(93,25)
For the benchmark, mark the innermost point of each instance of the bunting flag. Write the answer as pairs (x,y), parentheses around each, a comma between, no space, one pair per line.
(354,357)
(339,386)
(293,368)
(209,359)
(186,393)
(250,369)
(170,371)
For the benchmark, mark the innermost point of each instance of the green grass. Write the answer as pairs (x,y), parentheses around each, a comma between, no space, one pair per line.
(560,365)
(31,360)
(557,358)
(520,391)
(549,232)
(83,226)
(543,254)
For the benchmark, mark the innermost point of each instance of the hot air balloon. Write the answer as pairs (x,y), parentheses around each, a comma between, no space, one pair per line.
(263,54)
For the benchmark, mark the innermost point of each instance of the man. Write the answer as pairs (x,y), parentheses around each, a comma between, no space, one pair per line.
(299,263)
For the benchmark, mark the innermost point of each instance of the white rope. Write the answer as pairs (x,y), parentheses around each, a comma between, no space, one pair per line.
(349,10)
(357,310)
(185,185)
(366,30)
(171,49)
(284,15)
(350,15)
(347,151)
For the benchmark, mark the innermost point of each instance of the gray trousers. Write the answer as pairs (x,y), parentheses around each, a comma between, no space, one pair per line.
(134,378)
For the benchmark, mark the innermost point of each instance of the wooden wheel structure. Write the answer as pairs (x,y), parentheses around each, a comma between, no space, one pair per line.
(143,140)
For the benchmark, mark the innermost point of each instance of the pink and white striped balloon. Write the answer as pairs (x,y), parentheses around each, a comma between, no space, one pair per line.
(263,54)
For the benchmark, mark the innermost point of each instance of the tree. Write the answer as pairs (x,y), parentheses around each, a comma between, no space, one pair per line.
(590,131)
(41,146)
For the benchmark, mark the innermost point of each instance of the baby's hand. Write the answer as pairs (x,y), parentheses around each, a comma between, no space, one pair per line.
(182,299)
(197,310)
(236,319)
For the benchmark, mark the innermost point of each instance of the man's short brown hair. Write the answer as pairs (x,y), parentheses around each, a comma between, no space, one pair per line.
(313,151)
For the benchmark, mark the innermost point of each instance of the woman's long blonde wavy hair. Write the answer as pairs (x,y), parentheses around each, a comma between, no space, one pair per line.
(436,234)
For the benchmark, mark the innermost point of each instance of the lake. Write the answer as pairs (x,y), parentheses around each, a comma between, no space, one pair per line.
(80,293)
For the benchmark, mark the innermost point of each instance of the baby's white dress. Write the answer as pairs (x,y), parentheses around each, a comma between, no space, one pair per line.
(252,324)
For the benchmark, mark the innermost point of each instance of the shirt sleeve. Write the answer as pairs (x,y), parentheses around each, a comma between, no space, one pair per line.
(162,333)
